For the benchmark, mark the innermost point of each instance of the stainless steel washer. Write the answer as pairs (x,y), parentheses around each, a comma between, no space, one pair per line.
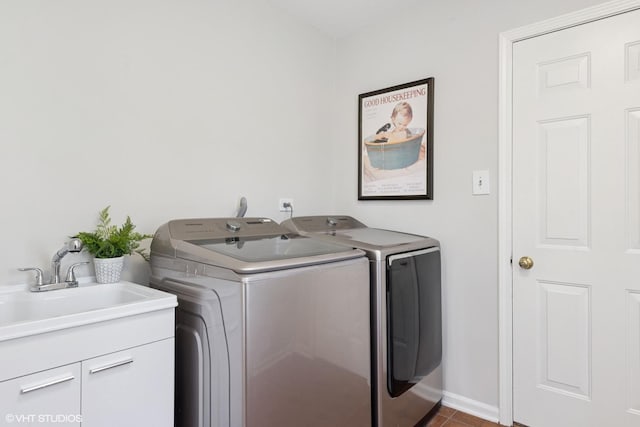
(272,329)
(406,314)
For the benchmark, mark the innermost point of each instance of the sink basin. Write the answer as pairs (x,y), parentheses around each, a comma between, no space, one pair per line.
(25,313)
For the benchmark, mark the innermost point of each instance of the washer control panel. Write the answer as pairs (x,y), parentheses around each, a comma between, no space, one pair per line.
(223,228)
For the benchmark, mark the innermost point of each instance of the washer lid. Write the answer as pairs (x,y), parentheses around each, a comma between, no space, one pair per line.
(273,248)
(244,245)
(375,237)
(350,231)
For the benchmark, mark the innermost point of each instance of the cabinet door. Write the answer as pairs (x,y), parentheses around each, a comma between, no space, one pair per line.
(130,388)
(50,397)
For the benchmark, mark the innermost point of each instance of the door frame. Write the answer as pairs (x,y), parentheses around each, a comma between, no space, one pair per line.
(505,206)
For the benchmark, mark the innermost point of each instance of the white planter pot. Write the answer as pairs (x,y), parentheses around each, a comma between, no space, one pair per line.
(108,270)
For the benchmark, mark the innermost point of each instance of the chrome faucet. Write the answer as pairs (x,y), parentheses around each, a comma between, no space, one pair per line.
(74,246)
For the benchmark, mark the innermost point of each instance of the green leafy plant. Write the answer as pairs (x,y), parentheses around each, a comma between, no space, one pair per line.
(111,241)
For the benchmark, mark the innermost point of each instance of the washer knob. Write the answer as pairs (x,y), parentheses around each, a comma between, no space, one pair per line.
(332,222)
(233,226)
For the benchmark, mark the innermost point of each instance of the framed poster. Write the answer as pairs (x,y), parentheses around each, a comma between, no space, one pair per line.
(395,142)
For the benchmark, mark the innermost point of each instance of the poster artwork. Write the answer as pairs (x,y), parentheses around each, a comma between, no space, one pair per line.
(396,142)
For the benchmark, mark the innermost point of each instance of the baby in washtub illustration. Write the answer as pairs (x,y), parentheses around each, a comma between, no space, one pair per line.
(401,116)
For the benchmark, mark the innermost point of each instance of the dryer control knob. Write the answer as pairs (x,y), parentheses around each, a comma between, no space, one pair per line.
(332,222)
(233,226)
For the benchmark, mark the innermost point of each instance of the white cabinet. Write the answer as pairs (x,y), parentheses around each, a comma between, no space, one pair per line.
(50,397)
(115,370)
(132,388)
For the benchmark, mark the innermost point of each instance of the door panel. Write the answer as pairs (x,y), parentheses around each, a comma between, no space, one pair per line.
(633,351)
(632,51)
(564,74)
(564,182)
(565,338)
(633,179)
(576,213)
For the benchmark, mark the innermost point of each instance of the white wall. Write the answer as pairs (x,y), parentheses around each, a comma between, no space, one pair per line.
(457,43)
(161,109)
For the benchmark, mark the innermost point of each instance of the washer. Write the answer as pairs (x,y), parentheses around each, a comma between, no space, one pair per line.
(406,314)
(272,329)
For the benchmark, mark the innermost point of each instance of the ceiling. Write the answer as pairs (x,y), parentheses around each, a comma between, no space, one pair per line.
(340,18)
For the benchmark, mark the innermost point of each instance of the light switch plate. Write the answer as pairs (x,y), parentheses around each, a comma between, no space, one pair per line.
(480,183)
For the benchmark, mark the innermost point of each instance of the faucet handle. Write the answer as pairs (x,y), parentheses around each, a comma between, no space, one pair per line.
(39,274)
(71,275)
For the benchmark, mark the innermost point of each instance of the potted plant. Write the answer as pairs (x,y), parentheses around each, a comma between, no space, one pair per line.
(109,244)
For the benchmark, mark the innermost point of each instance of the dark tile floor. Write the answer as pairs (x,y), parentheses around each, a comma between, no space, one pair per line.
(447,417)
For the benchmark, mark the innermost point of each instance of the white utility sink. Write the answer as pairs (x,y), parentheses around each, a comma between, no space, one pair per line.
(24,313)
(102,352)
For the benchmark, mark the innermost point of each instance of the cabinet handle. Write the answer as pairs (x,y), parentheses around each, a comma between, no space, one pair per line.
(111,365)
(24,390)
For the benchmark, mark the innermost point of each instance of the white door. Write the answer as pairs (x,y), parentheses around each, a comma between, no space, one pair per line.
(576,214)
(47,398)
(130,388)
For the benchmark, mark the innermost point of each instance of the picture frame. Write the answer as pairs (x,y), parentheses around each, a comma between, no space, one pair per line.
(395,142)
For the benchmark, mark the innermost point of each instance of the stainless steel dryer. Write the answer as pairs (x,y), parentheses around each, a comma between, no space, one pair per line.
(272,329)
(406,314)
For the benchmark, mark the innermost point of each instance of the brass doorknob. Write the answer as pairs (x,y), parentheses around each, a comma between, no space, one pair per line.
(525,262)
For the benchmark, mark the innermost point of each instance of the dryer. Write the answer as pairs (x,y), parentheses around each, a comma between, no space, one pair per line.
(271,327)
(406,314)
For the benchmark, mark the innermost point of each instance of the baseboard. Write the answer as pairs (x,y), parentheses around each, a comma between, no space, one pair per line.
(470,406)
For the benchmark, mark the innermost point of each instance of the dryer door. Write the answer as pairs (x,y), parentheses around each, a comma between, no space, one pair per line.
(414,318)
